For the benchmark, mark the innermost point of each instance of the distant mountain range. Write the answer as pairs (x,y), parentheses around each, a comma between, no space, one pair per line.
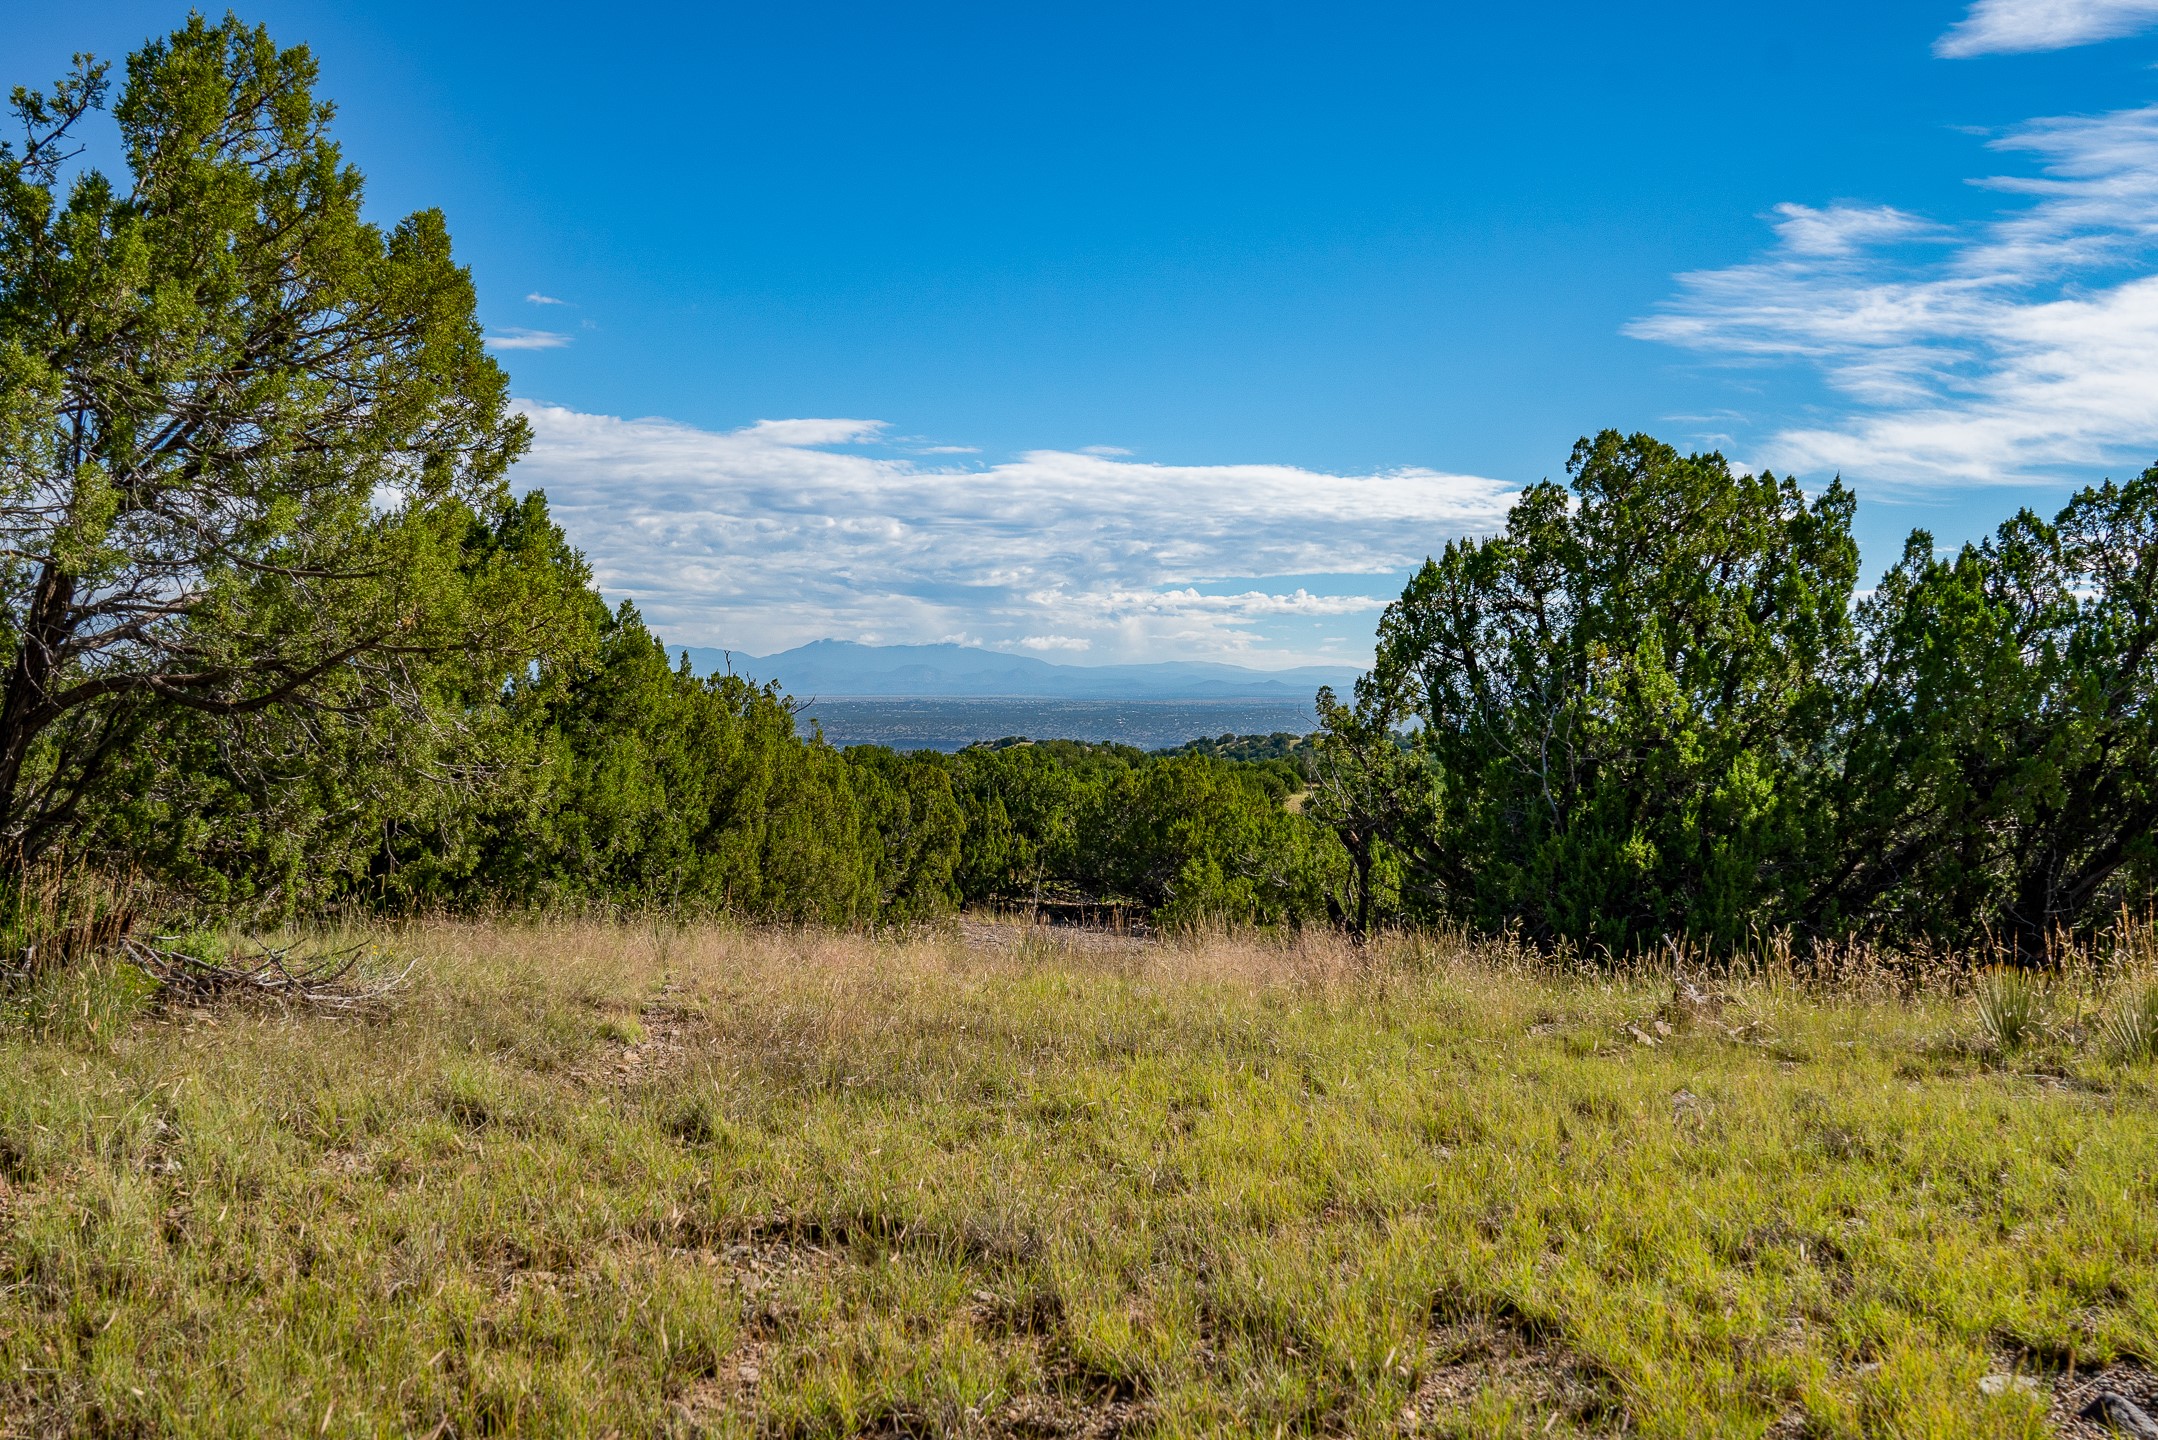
(832,668)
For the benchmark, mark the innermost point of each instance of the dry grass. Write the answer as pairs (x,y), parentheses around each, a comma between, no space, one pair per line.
(640,1178)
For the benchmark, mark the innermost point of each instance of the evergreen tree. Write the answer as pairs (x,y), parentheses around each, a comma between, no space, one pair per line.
(1615,699)
(2001,779)
(252,452)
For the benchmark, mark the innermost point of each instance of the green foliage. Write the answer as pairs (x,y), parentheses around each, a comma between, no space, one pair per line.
(1193,839)
(2127,1028)
(1184,837)
(1021,805)
(1650,708)
(285,810)
(655,787)
(907,804)
(2001,767)
(1297,750)
(2013,1006)
(252,458)
(1610,692)
(1377,799)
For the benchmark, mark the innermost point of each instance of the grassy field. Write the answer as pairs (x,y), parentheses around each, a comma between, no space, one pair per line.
(634,1180)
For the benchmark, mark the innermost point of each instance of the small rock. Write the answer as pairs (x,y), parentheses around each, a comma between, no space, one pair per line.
(2002,1384)
(1662,1028)
(1641,1037)
(2110,1407)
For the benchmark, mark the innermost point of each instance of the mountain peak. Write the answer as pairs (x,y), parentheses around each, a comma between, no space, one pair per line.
(835,668)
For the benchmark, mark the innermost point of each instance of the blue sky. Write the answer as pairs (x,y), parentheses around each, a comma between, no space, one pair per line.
(1121,332)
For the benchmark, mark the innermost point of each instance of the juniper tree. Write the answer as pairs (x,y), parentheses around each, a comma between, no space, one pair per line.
(252,449)
(1999,776)
(1621,699)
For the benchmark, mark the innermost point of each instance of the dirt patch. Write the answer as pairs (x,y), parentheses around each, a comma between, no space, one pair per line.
(1024,1417)
(1041,1417)
(757,1269)
(657,1046)
(1466,1360)
(732,1390)
(2073,1393)
(758,1272)
(343,1163)
(1032,1312)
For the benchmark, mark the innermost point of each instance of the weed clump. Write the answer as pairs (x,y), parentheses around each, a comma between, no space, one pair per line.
(464,1098)
(84,1006)
(2013,1006)
(693,1120)
(2127,1029)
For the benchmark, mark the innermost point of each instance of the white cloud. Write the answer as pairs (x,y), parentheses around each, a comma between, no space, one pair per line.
(535,298)
(1844,230)
(2021,348)
(2004,27)
(814,432)
(767,536)
(514,338)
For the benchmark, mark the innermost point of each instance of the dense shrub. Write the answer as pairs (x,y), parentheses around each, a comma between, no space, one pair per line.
(1652,707)
(1185,837)
(1612,693)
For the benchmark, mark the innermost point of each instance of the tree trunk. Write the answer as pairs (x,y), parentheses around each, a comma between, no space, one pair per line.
(1360,856)
(27,708)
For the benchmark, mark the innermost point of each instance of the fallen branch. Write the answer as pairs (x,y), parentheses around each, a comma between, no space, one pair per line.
(319,982)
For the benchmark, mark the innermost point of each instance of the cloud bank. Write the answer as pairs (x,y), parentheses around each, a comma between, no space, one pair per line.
(2021,348)
(787,531)
(2003,27)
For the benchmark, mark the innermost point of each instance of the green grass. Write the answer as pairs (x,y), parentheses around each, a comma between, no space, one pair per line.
(593,1180)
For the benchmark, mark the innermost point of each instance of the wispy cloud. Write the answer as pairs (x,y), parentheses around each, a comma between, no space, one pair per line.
(2024,347)
(535,298)
(514,338)
(787,531)
(2003,27)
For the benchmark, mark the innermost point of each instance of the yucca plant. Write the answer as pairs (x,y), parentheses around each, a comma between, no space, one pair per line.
(2012,1006)
(2127,1029)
